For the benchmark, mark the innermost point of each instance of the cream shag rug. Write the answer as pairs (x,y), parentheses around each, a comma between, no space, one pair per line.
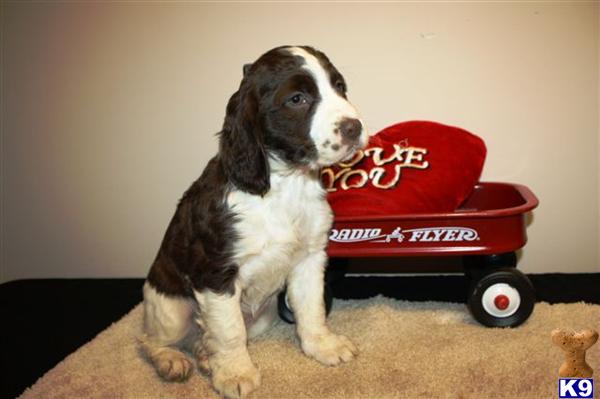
(408,349)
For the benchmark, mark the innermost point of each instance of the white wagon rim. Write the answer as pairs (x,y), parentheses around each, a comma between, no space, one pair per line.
(501,300)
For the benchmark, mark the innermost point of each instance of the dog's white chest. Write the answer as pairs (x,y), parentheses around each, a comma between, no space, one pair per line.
(277,231)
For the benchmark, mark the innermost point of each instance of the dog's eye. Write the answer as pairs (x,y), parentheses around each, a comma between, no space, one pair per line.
(341,86)
(297,100)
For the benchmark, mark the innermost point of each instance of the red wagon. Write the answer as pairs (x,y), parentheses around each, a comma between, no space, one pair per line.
(486,230)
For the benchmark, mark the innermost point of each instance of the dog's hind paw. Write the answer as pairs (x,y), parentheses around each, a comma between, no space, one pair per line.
(173,365)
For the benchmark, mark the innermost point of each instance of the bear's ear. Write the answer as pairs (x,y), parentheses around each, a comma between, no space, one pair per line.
(246,69)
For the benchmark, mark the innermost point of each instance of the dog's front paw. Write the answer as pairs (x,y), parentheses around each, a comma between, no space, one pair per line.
(235,379)
(173,365)
(329,349)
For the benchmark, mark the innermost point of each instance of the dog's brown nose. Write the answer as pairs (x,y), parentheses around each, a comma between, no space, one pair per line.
(350,128)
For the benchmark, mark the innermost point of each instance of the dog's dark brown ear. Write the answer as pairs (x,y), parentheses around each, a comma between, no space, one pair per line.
(246,69)
(242,150)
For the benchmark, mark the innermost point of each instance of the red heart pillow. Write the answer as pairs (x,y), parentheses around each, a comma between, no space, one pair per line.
(410,167)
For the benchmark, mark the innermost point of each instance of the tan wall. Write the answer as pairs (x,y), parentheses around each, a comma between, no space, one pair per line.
(109,111)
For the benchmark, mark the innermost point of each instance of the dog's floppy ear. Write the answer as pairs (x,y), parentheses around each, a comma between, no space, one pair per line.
(242,149)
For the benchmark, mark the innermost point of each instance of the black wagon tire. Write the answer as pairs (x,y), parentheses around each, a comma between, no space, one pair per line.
(503,298)
(285,311)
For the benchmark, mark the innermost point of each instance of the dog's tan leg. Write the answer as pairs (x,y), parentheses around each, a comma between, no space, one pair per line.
(168,321)
(232,372)
(305,294)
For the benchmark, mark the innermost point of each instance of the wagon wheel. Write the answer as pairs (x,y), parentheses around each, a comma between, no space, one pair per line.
(285,311)
(502,298)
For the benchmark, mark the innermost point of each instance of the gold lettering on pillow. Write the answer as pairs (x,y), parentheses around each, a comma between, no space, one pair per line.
(402,157)
(345,184)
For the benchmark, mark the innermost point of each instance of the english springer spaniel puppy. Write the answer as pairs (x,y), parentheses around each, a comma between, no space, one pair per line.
(255,221)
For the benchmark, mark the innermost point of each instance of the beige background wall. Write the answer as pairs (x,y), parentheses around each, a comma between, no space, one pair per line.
(109,111)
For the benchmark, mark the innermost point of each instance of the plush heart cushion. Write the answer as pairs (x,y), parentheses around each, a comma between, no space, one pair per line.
(410,167)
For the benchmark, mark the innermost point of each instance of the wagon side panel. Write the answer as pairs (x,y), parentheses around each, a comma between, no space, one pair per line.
(398,237)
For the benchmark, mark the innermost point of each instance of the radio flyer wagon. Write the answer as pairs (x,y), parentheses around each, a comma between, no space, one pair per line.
(485,230)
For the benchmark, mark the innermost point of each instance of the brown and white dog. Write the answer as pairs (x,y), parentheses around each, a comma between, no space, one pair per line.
(255,221)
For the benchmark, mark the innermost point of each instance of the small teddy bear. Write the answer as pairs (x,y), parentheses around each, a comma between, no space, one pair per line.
(574,344)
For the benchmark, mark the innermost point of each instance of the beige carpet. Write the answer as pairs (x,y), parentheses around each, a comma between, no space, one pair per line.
(408,349)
